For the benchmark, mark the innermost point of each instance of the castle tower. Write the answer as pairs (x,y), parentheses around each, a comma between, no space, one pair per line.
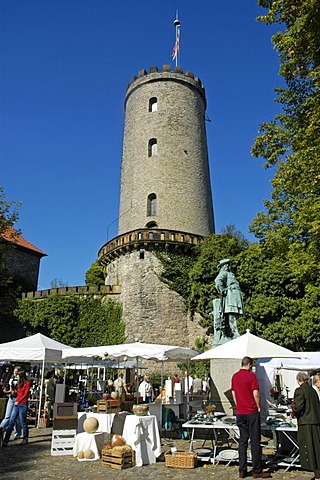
(165,201)
(165,179)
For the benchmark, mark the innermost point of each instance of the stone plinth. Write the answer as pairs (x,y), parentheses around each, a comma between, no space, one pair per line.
(221,371)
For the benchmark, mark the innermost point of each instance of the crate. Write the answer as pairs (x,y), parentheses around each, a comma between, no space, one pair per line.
(181,459)
(63,442)
(117,460)
(65,422)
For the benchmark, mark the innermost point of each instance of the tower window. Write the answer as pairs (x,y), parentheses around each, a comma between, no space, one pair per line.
(153,104)
(152,147)
(152,225)
(152,205)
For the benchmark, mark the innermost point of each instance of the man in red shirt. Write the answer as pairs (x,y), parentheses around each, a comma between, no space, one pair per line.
(246,396)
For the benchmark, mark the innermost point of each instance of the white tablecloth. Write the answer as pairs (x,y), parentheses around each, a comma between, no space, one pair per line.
(89,441)
(140,432)
(105,421)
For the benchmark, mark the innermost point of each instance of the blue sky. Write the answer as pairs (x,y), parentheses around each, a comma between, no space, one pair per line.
(65,66)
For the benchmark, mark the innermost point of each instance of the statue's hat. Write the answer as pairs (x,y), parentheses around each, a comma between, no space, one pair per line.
(223,262)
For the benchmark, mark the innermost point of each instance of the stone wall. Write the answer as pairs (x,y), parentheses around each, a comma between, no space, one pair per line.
(24,266)
(152,312)
(178,174)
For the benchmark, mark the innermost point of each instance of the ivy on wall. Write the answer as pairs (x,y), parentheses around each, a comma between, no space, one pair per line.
(78,321)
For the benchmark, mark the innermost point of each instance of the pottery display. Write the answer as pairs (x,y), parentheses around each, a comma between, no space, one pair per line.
(90,425)
(88,454)
(141,409)
(117,441)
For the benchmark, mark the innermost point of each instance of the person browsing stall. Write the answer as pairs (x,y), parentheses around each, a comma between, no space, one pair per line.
(246,396)
(306,409)
(19,409)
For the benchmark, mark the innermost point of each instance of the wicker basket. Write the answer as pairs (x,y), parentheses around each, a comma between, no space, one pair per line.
(181,459)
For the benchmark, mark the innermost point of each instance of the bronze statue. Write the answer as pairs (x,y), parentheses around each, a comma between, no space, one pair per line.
(226,308)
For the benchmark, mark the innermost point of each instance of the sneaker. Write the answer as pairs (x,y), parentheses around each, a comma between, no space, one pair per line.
(16,437)
(24,442)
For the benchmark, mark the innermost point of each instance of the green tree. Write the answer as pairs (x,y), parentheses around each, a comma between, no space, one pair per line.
(176,271)
(9,288)
(205,269)
(96,274)
(289,228)
(75,320)
(291,142)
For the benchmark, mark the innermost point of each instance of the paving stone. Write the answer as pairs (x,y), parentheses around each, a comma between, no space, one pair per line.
(34,462)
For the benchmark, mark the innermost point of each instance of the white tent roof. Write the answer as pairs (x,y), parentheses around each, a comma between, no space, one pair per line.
(247,345)
(108,364)
(308,361)
(36,348)
(148,351)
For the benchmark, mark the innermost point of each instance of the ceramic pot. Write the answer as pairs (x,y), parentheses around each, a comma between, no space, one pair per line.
(140,409)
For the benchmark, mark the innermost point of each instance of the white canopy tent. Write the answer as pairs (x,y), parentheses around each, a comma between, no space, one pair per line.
(137,350)
(248,345)
(37,349)
(148,351)
(287,369)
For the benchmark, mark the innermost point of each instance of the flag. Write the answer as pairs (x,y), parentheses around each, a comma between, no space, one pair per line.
(176,47)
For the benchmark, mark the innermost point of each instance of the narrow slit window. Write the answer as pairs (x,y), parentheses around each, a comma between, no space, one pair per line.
(153,104)
(152,205)
(152,147)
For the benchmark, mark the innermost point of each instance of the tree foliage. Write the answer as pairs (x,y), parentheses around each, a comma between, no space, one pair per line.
(9,288)
(176,271)
(96,274)
(205,269)
(287,286)
(75,320)
(291,142)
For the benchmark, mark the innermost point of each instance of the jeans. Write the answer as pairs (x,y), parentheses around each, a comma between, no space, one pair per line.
(18,411)
(250,428)
(5,421)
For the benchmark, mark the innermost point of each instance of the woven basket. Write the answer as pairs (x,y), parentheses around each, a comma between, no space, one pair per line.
(181,459)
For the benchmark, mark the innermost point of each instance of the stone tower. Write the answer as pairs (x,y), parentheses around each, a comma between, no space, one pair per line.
(165,200)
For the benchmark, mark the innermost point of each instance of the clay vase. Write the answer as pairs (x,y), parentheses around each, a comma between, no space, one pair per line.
(117,441)
(140,410)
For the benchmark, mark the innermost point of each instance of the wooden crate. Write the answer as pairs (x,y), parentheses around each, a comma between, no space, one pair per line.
(117,460)
(63,442)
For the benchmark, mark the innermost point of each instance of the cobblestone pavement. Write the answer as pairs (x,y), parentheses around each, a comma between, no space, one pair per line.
(34,462)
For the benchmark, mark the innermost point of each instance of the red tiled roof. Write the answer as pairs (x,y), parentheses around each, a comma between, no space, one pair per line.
(12,236)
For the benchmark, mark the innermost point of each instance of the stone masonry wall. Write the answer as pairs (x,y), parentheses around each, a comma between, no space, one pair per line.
(152,312)
(24,266)
(179,173)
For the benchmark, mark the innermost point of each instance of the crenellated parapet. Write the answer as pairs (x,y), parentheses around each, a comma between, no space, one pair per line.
(167,73)
(148,239)
(77,290)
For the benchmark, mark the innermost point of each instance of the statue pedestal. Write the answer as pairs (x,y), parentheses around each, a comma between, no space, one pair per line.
(221,371)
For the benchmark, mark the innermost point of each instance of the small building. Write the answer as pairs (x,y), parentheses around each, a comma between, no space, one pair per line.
(22,259)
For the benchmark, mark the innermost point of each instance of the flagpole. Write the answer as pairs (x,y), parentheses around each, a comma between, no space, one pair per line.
(176,23)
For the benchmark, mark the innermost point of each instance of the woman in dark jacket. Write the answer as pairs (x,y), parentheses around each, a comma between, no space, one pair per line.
(306,409)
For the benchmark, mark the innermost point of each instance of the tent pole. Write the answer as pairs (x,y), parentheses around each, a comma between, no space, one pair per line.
(40,394)
(161,389)
(188,395)
(137,381)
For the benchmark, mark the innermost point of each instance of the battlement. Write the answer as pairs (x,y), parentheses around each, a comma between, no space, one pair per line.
(78,290)
(148,239)
(166,73)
